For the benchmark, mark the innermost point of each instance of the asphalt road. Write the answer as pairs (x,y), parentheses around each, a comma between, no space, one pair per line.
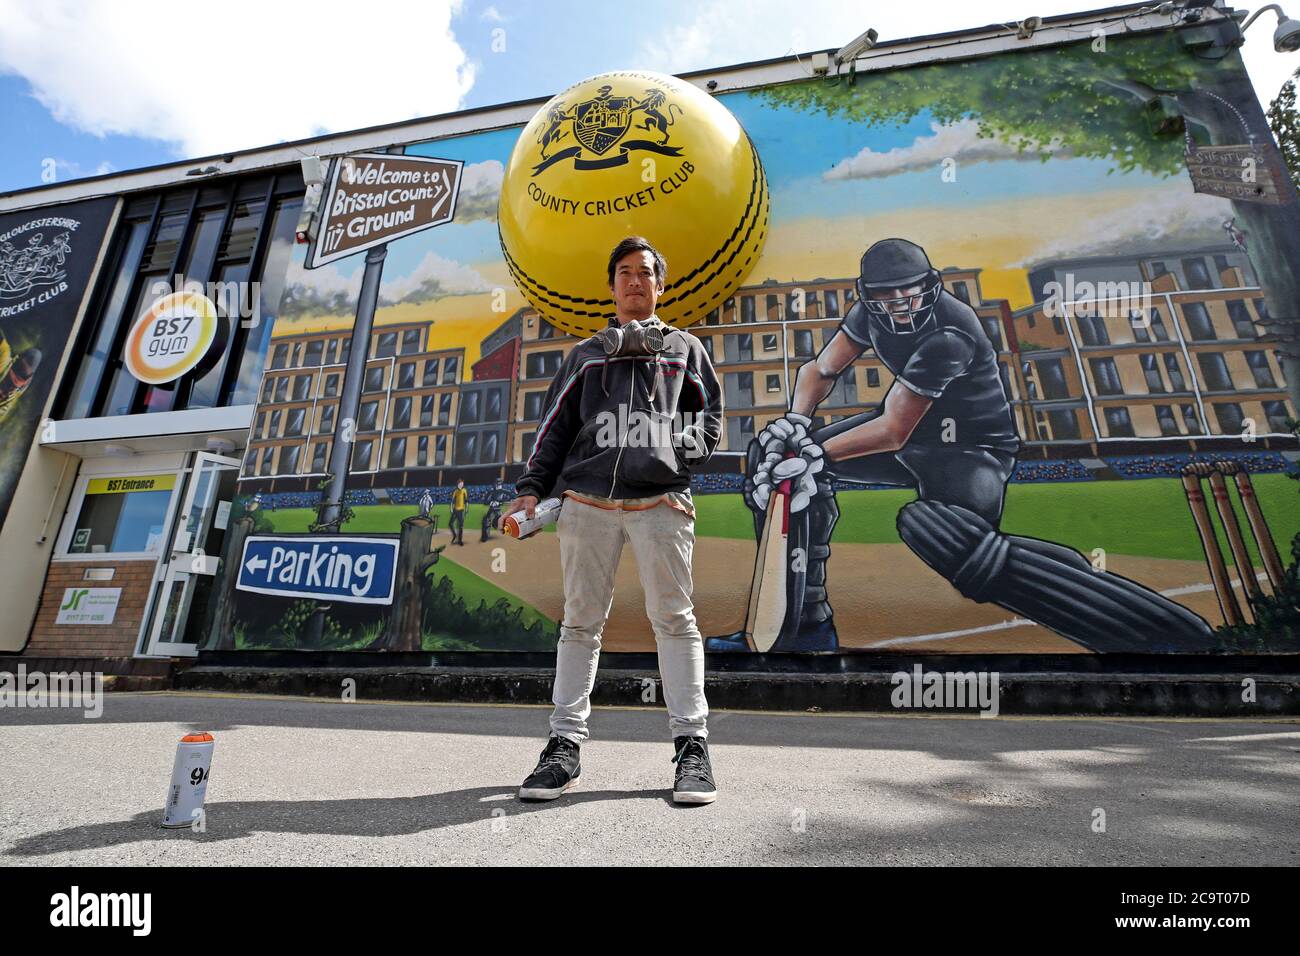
(312,782)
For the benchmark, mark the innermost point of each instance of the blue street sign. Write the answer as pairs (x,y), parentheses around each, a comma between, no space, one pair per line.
(329,568)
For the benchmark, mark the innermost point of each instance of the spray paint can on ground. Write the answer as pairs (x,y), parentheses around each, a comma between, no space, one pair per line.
(189,780)
(518,525)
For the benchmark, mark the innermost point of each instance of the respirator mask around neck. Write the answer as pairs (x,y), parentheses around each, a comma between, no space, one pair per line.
(631,339)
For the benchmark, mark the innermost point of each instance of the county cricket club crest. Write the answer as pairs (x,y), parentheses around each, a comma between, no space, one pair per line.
(32,265)
(604,121)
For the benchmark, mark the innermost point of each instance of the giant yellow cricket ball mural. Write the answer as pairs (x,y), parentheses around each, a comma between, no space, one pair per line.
(631,153)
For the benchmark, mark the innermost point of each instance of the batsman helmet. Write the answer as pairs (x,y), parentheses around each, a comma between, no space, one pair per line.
(895,264)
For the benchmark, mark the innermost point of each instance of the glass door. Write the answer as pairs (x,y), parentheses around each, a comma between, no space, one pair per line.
(185,594)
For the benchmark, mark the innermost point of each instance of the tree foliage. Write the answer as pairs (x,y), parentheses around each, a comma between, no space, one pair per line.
(1099,104)
(498,626)
(1284,121)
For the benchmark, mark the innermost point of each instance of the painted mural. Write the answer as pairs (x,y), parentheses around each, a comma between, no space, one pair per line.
(1100,425)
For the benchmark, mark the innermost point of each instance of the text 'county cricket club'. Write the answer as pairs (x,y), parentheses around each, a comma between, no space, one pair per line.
(603,122)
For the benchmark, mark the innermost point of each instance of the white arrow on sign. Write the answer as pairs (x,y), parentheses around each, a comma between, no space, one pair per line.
(255,564)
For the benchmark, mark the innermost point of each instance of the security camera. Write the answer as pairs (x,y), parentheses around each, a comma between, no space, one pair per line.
(1286,38)
(1193,10)
(853,49)
(305,231)
(311,171)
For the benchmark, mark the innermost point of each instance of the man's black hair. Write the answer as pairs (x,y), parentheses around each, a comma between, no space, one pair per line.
(638,244)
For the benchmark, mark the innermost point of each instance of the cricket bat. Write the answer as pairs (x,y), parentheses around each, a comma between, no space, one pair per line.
(767,590)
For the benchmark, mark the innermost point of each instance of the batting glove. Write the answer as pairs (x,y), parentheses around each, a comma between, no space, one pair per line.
(780,432)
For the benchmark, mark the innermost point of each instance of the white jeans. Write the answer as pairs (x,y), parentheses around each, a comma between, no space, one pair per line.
(591,543)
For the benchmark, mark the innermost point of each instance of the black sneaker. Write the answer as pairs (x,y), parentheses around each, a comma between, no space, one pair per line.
(556,772)
(694,783)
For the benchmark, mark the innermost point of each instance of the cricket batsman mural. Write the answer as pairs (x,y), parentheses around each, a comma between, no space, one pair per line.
(945,428)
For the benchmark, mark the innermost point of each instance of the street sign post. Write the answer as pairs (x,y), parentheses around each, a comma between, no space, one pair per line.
(349,568)
(373,198)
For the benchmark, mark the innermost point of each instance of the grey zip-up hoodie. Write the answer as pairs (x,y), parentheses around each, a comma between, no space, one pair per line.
(627,427)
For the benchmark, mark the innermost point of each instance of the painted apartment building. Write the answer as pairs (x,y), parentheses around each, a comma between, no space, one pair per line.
(1196,366)
(1073,378)
(1173,364)
(409,407)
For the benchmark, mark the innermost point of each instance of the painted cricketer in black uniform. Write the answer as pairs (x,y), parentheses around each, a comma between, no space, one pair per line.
(945,428)
(498,495)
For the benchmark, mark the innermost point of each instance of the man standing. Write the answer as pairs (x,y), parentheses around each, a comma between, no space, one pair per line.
(629,413)
(459,499)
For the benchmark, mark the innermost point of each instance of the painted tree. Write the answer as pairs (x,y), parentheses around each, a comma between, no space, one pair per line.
(1285,123)
(415,556)
(1122,99)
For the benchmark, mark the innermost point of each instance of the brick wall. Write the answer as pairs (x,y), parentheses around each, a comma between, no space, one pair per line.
(91,640)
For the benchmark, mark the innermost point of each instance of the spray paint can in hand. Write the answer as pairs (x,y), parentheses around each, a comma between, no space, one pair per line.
(519,525)
(189,780)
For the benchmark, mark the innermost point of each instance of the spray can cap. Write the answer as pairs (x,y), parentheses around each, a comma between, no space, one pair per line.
(200,738)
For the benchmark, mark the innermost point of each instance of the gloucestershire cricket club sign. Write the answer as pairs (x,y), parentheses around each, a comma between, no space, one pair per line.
(373,198)
(358,570)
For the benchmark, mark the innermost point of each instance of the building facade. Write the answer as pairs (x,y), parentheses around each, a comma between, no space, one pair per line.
(409,409)
(146,463)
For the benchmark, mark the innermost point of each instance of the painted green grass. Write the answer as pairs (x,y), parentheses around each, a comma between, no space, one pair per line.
(1147,517)
(471,589)
(1152,519)
(387,519)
